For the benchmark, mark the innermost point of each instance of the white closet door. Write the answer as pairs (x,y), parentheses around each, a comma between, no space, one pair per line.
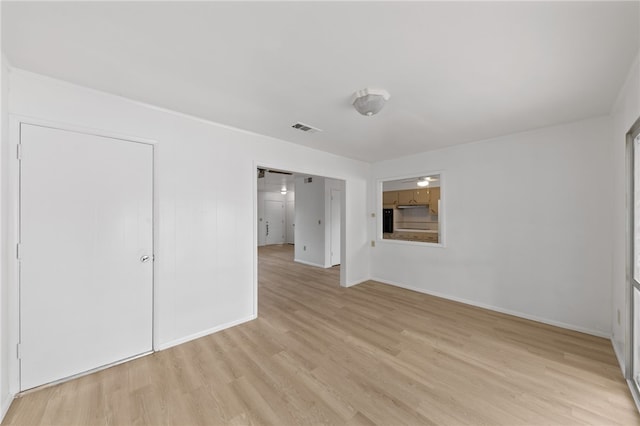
(86,228)
(274,222)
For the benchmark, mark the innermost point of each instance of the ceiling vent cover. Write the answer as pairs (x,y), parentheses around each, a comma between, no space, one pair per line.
(305,128)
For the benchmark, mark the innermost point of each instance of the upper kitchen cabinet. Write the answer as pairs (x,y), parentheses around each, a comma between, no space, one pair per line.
(390,199)
(413,196)
(405,197)
(434,197)
(421,196)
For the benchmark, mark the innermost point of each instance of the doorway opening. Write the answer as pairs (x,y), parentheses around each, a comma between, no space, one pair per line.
(276,207)
(299,223)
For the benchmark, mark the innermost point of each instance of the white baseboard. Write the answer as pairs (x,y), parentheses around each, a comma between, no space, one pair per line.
(304,262)
(6,404)
(499,309)
(619,357)
(176,342)
(356,282)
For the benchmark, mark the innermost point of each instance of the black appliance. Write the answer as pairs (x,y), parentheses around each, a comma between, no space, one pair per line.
(387,220)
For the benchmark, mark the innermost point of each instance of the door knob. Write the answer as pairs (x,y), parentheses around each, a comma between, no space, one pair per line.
(145,258)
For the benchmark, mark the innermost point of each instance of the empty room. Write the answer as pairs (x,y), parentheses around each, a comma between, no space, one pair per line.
(297,213)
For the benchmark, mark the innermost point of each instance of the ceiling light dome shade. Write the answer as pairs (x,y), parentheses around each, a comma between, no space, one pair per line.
(369,101)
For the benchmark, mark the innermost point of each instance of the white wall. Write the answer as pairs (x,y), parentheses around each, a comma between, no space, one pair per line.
(528,225)
(312,218)
(206,229)
(310,221)
(624,114)
(5,395)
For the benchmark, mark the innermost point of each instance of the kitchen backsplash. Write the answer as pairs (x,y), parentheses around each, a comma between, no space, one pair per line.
(416,218)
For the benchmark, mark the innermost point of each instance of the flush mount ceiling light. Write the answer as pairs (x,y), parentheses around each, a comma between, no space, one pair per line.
(423,182)
(369,101)
(283,191)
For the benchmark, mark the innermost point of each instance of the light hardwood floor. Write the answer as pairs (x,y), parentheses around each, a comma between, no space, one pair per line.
(370,354)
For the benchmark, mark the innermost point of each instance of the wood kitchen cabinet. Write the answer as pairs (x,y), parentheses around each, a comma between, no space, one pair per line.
(421,196)
(405,197)
(413,196)
(434,197)
(390,199)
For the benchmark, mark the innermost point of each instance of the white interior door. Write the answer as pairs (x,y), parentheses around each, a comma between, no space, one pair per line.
(290,222)
(336,197)
(274,222)
(86,225)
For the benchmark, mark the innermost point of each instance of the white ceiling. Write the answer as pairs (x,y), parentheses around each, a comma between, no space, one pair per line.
(457,71)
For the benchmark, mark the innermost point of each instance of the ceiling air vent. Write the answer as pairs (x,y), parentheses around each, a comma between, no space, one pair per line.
(305,128)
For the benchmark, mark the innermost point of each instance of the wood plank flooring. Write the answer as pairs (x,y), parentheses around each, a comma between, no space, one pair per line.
(370,354)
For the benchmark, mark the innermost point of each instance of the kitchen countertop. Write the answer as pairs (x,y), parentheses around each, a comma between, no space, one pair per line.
(421,235)
(430,231)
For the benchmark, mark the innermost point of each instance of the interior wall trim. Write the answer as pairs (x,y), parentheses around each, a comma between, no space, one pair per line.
(185,339)
(6,404)
(566,326)
(304,262)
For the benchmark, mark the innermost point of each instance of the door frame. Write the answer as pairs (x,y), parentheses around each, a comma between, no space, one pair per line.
(630,260)
(13,231)
(331,242)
